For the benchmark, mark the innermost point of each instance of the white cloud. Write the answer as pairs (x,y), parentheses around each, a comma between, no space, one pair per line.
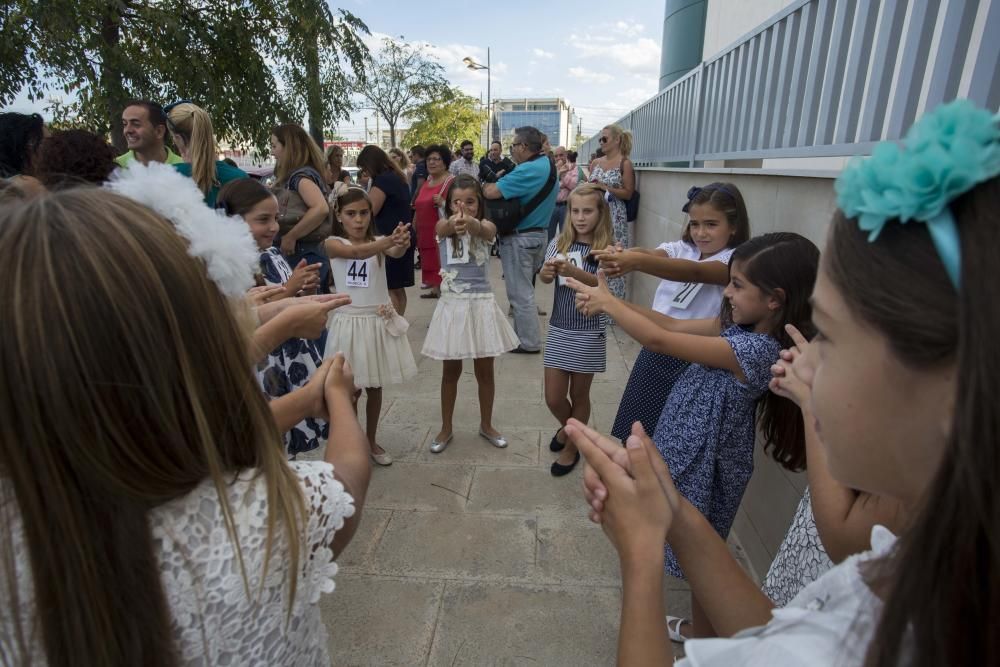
(640,55)
(541,53)
(629,29)
(584,74)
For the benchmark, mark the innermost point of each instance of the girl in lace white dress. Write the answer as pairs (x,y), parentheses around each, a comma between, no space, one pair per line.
(467,323)
(370,333)
(154,520)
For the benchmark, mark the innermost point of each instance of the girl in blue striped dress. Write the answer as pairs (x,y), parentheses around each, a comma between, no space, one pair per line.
(576,345)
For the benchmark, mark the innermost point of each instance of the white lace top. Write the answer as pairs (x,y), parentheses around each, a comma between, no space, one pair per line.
(214,622)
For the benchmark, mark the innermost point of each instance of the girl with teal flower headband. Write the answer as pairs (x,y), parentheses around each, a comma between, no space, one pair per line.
(904,379)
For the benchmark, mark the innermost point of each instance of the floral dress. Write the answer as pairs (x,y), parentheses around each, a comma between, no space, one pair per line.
(801,557)
(706,430)
(619,225)
(290,366)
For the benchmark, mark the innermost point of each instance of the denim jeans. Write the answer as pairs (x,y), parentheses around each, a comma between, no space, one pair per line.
(521,256)
(557,220)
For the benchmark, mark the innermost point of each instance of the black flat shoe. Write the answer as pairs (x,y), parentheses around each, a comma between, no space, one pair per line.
(555,445)
(521,350)
(558,470)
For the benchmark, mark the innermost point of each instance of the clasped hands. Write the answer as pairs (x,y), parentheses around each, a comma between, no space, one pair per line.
(591,300)
(629,490)
(616,261)
(461,221)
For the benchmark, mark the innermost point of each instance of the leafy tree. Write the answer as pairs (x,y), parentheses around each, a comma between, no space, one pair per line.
(449,119)
(398,79)
(316,46)
(214,52)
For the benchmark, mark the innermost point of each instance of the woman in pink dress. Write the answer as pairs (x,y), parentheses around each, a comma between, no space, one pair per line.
(425,215)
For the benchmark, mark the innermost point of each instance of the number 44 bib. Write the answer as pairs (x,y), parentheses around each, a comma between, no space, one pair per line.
(358,272)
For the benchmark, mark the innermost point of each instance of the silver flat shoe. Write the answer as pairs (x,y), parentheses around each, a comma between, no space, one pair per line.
(498,441)
(438,447)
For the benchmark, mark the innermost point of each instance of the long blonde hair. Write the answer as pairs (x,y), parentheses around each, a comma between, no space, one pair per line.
(603,232)
(299,151)
(130,406)
(618,132)
(194,126)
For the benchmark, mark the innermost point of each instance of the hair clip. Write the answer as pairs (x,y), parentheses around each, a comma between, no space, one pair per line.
(945,154)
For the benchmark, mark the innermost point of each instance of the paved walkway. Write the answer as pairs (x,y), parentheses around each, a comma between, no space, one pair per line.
(478,556)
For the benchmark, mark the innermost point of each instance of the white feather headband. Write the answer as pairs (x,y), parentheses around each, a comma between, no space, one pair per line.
(223,243)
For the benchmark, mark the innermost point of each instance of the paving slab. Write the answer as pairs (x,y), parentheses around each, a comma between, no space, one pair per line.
(358,554)
(507,412)
(573,550)
(457,546)
(526,491)
(376,621)
(420,486)
(488,624)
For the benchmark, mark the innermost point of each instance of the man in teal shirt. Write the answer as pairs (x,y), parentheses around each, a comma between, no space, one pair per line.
(145,127)
(523,252)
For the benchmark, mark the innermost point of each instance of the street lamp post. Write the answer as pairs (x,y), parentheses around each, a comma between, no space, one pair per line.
(473,65)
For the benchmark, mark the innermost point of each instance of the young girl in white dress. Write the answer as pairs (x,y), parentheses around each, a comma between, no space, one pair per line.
(467,323)
(369,331)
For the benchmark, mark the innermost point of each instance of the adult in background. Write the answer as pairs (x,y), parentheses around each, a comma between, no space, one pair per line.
(390,199)
(426,207)
(191,129)
(303,212)
(494,165)
(568,175)
(463,163)
(523,252)
(75,157)
(335,172)
(21,137)
(419,174)
(613,173)
(144,125)
(399,157)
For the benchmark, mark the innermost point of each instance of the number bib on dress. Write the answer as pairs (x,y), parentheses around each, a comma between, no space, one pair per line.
(575,258)
(358,271)
(457,249)
(685,295)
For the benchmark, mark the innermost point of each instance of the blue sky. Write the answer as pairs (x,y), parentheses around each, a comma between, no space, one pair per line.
(602,58)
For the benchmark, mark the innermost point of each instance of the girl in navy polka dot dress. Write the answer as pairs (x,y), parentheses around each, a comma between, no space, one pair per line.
(707,427)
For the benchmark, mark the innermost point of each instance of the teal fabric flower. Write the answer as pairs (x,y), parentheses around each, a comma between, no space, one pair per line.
(945,154)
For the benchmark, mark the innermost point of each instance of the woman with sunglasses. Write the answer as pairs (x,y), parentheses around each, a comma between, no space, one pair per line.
(613,173)
(191,130)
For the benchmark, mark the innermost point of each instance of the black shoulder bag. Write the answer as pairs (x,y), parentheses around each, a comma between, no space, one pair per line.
(507,214)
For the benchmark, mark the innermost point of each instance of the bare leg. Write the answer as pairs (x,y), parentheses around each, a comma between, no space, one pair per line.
(556,390)
(487,389)
(373,407)
(449,392)
(700,625)
(398,298)
(579,399)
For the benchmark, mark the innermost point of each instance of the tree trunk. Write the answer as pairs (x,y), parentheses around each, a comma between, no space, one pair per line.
(314,98)
(392,133)
(110,86)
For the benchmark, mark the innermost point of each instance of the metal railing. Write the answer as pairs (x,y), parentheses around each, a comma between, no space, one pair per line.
(822,78)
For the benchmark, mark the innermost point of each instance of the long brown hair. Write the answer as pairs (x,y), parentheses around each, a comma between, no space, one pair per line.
(603,233)
(131,406)
(194,126)
(376,161)
(299,151)
(943,577)
(782,265)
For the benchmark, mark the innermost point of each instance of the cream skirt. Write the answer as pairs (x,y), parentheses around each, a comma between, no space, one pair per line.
(373,339)
(468,326)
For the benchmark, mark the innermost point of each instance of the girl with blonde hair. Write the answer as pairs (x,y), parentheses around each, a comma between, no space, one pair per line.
(154,519)
(191,129)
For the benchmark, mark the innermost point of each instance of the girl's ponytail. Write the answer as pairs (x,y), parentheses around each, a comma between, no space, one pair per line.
(195,127)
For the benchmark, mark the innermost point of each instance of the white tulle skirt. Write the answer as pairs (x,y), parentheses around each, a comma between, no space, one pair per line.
(468,326)
(373,339)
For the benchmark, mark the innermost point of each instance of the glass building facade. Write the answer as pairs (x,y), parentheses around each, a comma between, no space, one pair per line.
(552,116)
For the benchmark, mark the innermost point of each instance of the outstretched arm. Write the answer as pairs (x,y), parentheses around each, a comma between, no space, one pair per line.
(335,248)
(615,263)
(713,352)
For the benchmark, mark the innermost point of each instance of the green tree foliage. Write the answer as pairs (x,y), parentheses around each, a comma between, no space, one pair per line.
(397,80)
(449,119)
(316,49)
(217,53)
